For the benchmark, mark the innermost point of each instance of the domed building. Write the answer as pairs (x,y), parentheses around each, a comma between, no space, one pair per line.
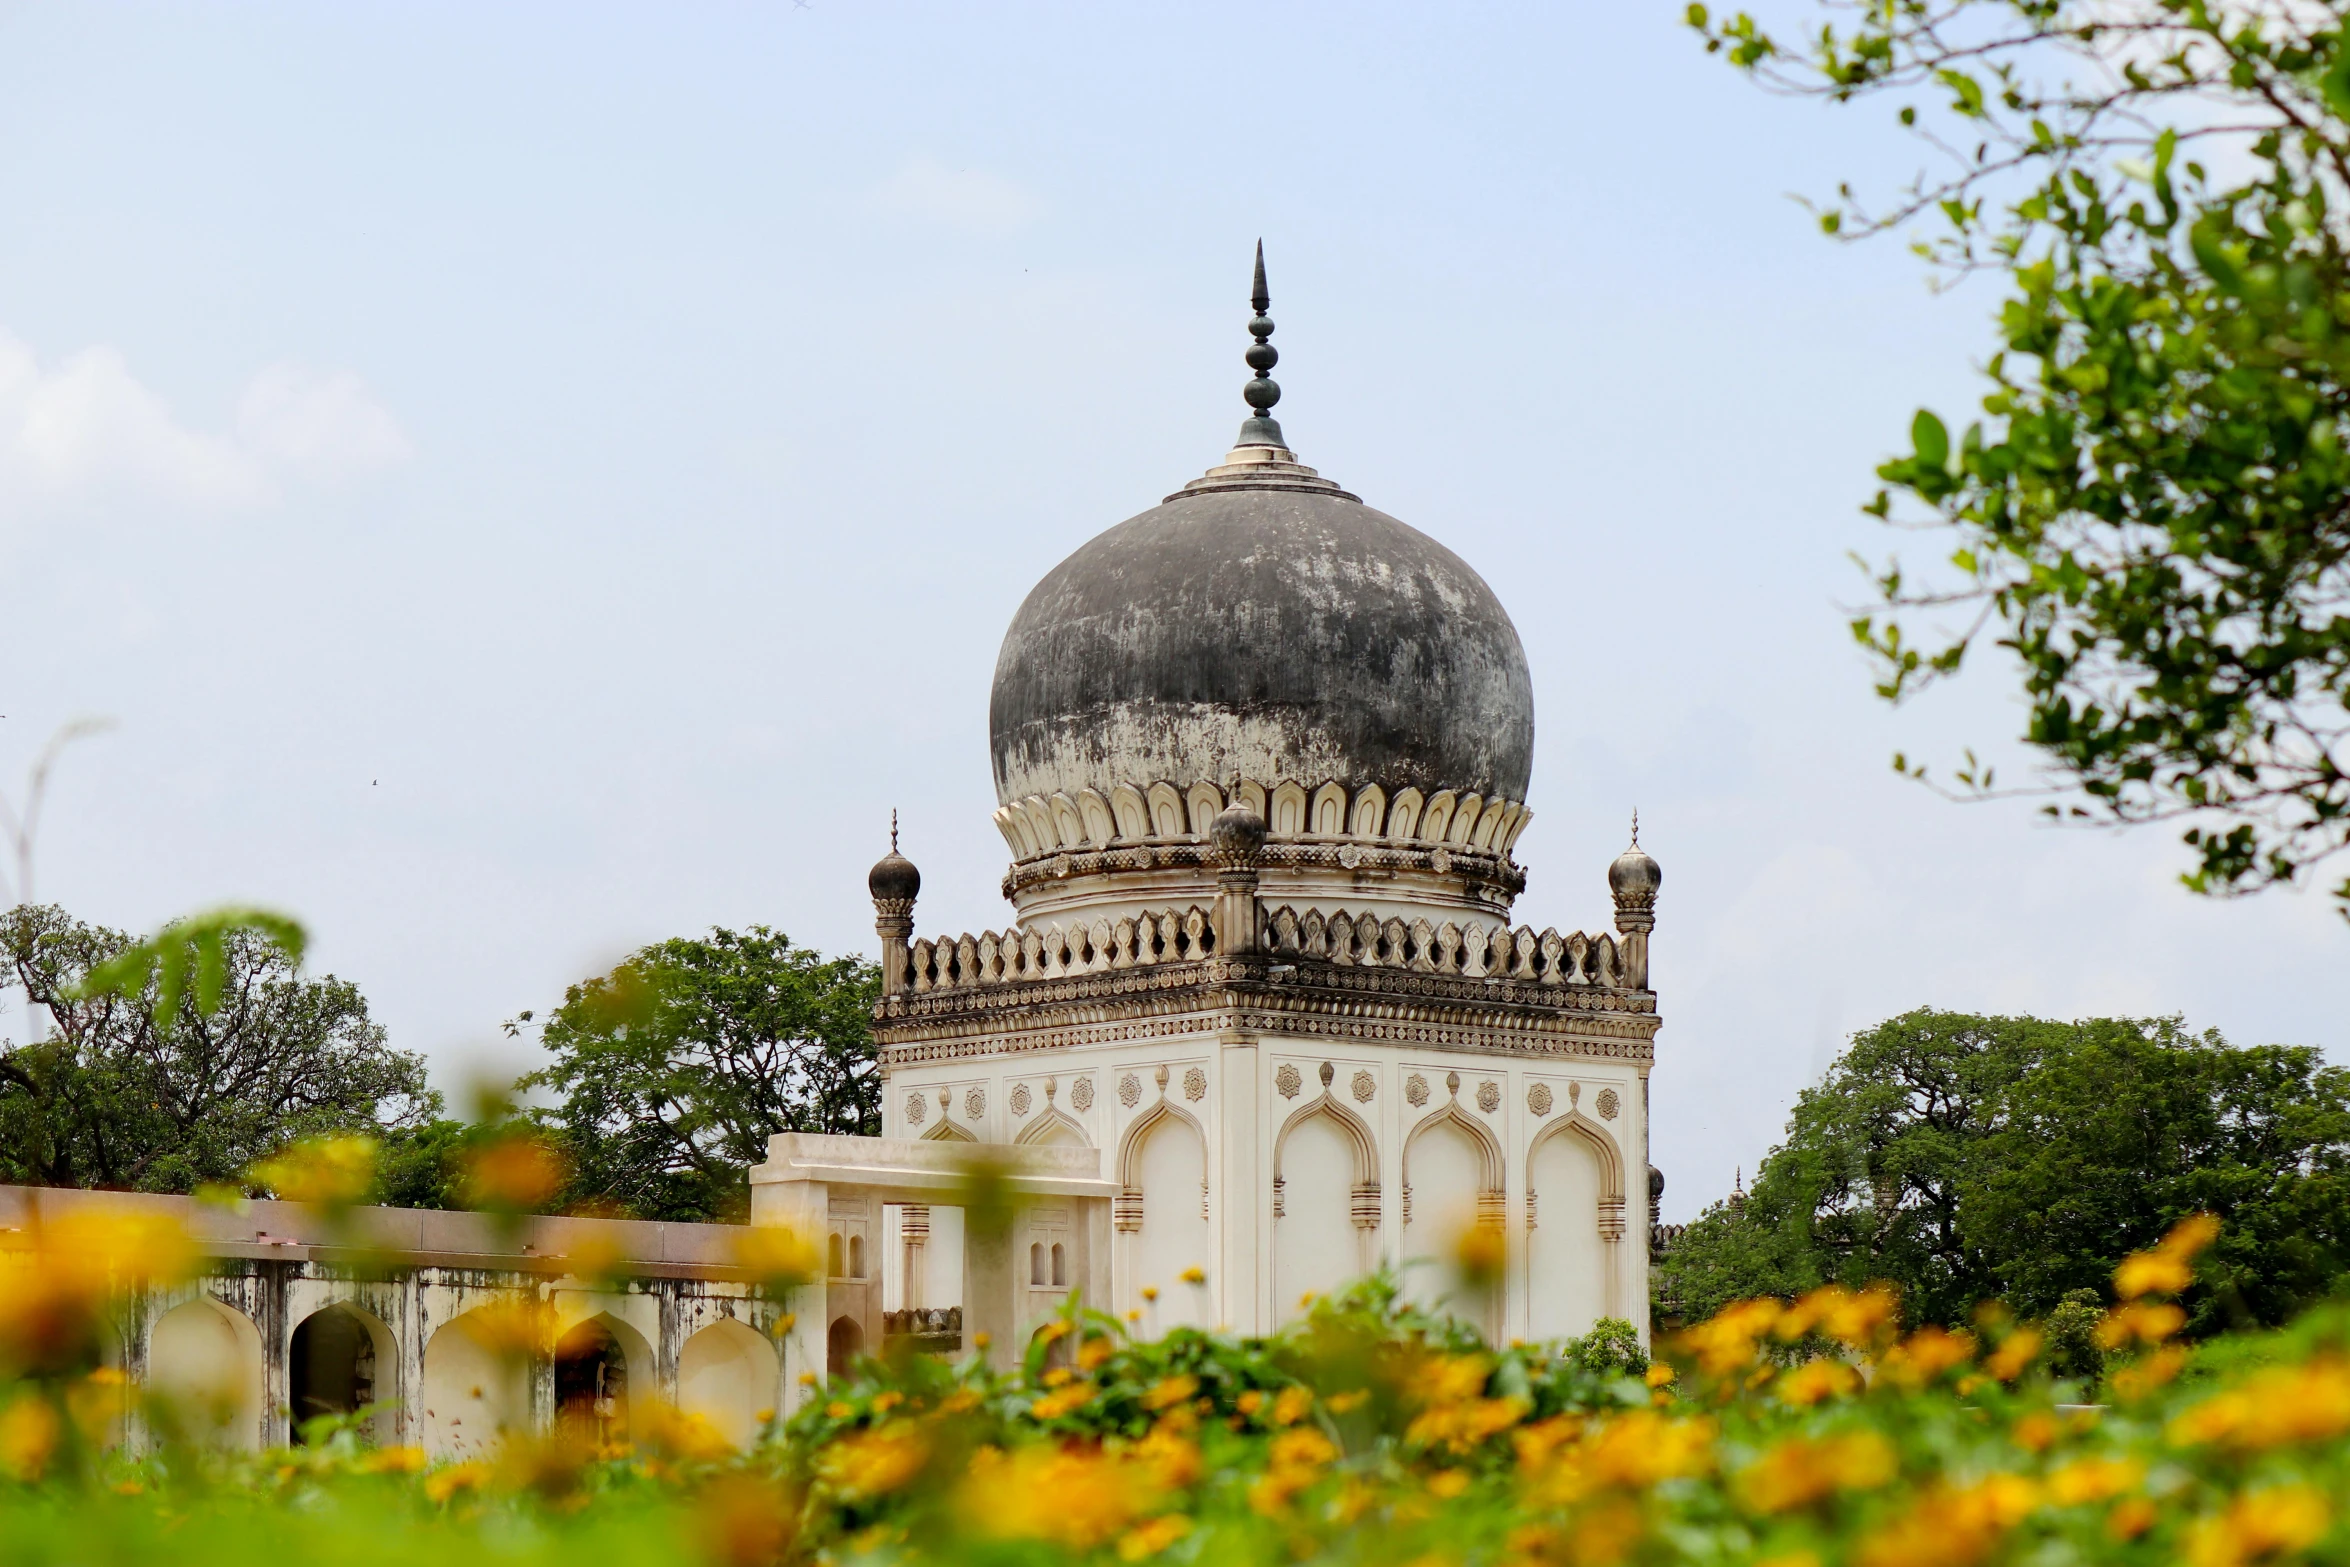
(1262,755)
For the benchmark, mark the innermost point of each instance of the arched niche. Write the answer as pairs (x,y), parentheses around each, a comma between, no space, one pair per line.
(1575,1221)
(726,1374)
(603,1371)
(1453,1178)
(476,1387)
(340,1360)
(1056,1128)
(204,1372)
(1161,1214)
(1325,1201)
(844,1341)
(948,1132)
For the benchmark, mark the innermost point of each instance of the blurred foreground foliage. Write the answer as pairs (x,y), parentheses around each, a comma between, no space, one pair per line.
(1808,1432)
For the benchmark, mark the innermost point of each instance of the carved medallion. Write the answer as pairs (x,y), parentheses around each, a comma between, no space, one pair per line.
(1129,1090)
(1608,1104)
(1415,1089)
(1440,862)
(1020,1099)
(1081,1094)
(1350,857)
(916,1108)
(1538,1099)
(1489,1097)
(1288,1079)
(1365,1085)
(1195,1084)
(975,1103)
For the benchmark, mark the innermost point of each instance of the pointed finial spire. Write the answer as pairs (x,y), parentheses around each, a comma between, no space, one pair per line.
(1635,826)
(1260,429)
(893,830)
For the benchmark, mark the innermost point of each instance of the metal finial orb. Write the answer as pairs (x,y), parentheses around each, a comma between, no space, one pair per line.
(1262,392)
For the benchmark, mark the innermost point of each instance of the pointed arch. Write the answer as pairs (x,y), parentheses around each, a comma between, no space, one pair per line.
(1611,1160)
(1048,1127)
(1287,818)
(1130,1145)
(948,1132)
(1329,811)
(1356,1131)
(1492,1170)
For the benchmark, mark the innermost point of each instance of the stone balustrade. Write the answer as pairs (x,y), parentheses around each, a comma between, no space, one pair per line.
(1472,951)
(1011,956)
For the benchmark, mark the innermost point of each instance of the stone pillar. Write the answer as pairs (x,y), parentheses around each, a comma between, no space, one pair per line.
(991,1282)
(1242,1215)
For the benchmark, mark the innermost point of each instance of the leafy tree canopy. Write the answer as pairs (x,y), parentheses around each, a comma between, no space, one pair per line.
(2149,515)
(183,1059)
(1989,1158)
(673,1070)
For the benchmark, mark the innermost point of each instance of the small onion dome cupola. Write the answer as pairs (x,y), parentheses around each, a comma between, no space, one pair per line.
(1237,834)
(1635,877)
(893,879)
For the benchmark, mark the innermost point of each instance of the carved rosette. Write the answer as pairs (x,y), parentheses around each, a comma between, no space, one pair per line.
(1415,1090)
(1081,1095)
(1129,1090)
(1020,1099)
(1608,1104)
(1538,1099)
(916,1108)
(1288,1079)
(1489,1096)
(1195,1084)
(1365,1085)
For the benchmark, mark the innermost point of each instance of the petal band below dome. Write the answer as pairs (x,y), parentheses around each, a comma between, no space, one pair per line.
(1063,822)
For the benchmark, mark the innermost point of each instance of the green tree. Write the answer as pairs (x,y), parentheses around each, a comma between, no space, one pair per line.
(673,1070)
(194,1055)
(1976,1158)
(2149,514)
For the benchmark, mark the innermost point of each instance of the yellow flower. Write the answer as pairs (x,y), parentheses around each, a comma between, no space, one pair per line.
(2014,1355)
(1340,1403)
(2259,1525)
(1726,1342)
(1249,1402)
(1192,1275)
(1951,1528)
(875,1462)
(2131,1517)
(1814,1380)
(745,1523)
(1150,1292)
(1925,1355)
(1448,1483)
(395,1461)
(1291,1404)
(1095,1352)
(2271,1408)
(1153,1537)
(1631,1452)
(2094,1480)
(2135,1381)
(2036,1432)
(514,1173)
(1077,1497)
(2143,1321)
(776,1256)
(442,1484)
(29,1429)
(2169,1267)
(1857,1318)
(1802,1470)
(1170,1390)
(1067,1401)
(333,1172)
(62,1276)
(1659,1374)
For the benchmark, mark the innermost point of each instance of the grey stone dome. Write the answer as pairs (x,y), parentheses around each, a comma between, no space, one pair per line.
(1276,630)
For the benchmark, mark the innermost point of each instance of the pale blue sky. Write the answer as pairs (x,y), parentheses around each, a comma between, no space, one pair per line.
(531,480)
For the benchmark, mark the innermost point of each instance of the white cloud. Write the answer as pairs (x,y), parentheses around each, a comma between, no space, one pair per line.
(87,427)
(970,199)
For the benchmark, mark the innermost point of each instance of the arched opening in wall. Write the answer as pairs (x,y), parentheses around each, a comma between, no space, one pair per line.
(835,1265)
(856,1256)
(1036,1263)
(1058,1353)
(1316,1247)
(476,1387)
(726,1374)
(591,1383)
(1168,1161)
(1060,1267)
(1054,1129)
(204,1372)
(844,1341)
(1446,1166)
(1566,1262)
(341,1361)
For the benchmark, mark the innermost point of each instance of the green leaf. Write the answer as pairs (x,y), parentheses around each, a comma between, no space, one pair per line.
(1931,439)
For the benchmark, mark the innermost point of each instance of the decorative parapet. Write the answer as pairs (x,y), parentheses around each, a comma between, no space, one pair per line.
(1013,956)
(1042,826)
(1472,952)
